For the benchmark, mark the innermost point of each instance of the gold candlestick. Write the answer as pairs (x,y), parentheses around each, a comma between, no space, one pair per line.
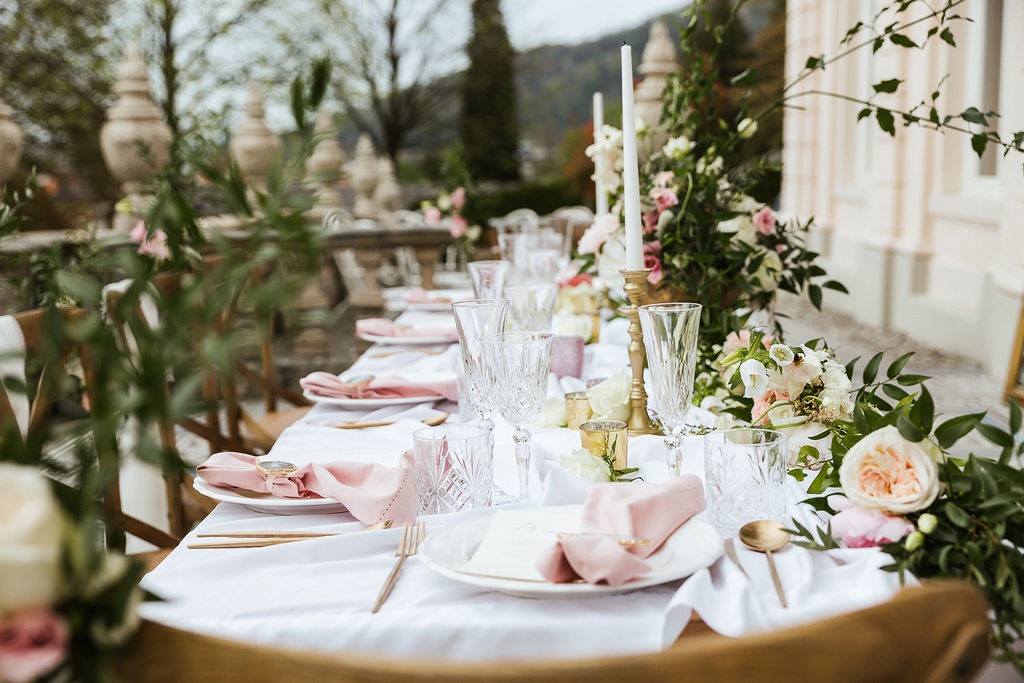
(636,287)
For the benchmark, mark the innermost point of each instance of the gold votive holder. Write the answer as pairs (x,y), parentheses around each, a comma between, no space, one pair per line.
(577,409)
(602,438)
(595,325)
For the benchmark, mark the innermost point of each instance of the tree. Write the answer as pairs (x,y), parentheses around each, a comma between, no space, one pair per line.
(490,125)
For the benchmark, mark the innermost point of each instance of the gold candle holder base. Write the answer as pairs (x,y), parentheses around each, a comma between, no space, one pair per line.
(636,288)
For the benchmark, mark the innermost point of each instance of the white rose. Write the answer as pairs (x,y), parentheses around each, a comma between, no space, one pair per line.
(744,203)
(572,325)
(754,376)
(677,148)
(798,436)
(884,471)
(30,540)
(747,128)
(552,415)
(612,260)
(609,400)
(781,354)
(837,402)
(741,228)
(704,166)
(834,376)
(581,463)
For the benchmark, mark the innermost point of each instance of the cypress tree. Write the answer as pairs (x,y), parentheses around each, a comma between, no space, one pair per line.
(490,125)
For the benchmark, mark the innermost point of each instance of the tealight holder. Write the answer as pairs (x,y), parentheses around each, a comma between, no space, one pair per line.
(577,409)
(601,438)
(636,288)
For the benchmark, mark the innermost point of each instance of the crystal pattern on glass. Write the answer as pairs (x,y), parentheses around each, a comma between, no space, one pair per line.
(670,338)
(745,474)
(453,468)
(488,278)
(531,307)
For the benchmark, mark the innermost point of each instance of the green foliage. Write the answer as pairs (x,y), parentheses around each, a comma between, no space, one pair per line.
(490,126)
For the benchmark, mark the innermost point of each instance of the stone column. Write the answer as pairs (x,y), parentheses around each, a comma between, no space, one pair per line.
(388,195)
(364,178)
(253,145)
(656,64)
(10,143)
(323,168)
(135,140)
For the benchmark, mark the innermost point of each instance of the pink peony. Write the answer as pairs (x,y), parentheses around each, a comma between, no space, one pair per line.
(764,402)
(155,245)
(650,222)
(457,226)
(652,260)
(860,528)
(664,198)
(32,643)
(138,233)
(432,215)
(741,340)
(459,197)
(664,178)
(764,221)
(596,235)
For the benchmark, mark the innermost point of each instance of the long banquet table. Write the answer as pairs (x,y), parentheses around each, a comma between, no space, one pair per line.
(318,593)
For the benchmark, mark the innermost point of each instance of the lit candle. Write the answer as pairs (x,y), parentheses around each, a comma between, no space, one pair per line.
(630,172)
(600,189)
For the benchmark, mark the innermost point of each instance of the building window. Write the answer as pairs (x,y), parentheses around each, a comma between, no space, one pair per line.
(984,71)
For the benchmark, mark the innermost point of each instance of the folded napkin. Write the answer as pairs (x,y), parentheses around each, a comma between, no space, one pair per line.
(418,295)
(382,327)
(331,386)
(372,493)
(652,511)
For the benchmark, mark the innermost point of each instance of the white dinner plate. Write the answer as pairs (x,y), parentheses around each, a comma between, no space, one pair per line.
(411,341)
(363,403)
(264,502)
(693,546)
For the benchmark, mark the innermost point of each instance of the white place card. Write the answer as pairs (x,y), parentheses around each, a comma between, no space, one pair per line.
(516,538)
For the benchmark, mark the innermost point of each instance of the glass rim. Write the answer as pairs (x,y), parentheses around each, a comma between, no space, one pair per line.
(671,306)
(477,303)
(603,426)
(438,433)
(718,435)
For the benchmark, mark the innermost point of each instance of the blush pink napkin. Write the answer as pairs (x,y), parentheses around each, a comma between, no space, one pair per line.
(382,327)
(331,386)
(418,295)
(652,511)
(372,493)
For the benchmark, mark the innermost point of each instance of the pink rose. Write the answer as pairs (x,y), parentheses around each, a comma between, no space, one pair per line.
(32,643)
(664,198)
(155,245)
(652,260)
(664,178)
(138,233)
(457,226)
(764,221)
(596,235)
(459,197)
(779,248)
(766,401)
(650,222)
(432,215)
(741,340)
(857,527)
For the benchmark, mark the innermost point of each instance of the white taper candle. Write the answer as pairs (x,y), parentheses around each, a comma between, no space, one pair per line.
(630,170)
(599,188)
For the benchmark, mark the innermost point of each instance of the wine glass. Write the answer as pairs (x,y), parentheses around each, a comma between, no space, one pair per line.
(532,307)
(521,362)
(476,318)
(488,278)
(670,337)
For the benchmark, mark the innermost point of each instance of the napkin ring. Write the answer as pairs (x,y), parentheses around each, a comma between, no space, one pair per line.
(275,467)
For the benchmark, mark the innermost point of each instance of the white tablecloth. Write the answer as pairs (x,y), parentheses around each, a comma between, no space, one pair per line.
(318,593)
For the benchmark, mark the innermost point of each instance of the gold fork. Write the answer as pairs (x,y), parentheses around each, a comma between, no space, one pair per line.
(412,536)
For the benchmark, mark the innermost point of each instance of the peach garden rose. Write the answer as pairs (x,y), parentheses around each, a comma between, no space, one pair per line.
(884,471)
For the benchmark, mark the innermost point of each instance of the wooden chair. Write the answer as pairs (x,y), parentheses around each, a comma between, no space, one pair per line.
(32,324)
(937,633)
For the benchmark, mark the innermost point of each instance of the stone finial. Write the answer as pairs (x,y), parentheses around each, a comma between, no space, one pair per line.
(253,145)
(10,143)
(323,168)
(388,195)
(658,62)
(135,140)
(364,177)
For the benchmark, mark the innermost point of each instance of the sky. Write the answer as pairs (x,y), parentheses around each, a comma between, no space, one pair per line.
(538,22)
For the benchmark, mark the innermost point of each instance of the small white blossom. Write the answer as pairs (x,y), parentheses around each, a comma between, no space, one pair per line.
(677,148)
(747,128)
(754,376)
(781,354)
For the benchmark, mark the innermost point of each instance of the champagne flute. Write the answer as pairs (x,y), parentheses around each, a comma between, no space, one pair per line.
(488,278)
(521,362)
(670,337)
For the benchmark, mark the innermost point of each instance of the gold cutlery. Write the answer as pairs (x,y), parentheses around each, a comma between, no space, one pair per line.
(431,421)
(766,536)
(412,536)
(730,552)
(262,539)
(624,541)
(399,353)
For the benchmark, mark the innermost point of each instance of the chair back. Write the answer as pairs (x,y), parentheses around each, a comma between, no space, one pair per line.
(930,634)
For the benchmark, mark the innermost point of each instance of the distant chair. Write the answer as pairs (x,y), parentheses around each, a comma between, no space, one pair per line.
(577,218)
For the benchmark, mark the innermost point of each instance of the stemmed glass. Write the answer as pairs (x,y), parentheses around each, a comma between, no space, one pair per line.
(477,318)
(521,362)
(488,278)
(532,307)
(670,337)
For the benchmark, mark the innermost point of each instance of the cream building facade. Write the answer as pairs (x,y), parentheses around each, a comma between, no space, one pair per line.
(928,238)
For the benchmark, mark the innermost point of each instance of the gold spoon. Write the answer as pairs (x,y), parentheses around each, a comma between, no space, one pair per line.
(765,536)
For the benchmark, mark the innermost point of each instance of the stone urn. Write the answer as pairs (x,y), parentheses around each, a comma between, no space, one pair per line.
(388,195)
(135,140)
(364,177)
(323,168)
(656,64)
(10,143)
(254,145)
